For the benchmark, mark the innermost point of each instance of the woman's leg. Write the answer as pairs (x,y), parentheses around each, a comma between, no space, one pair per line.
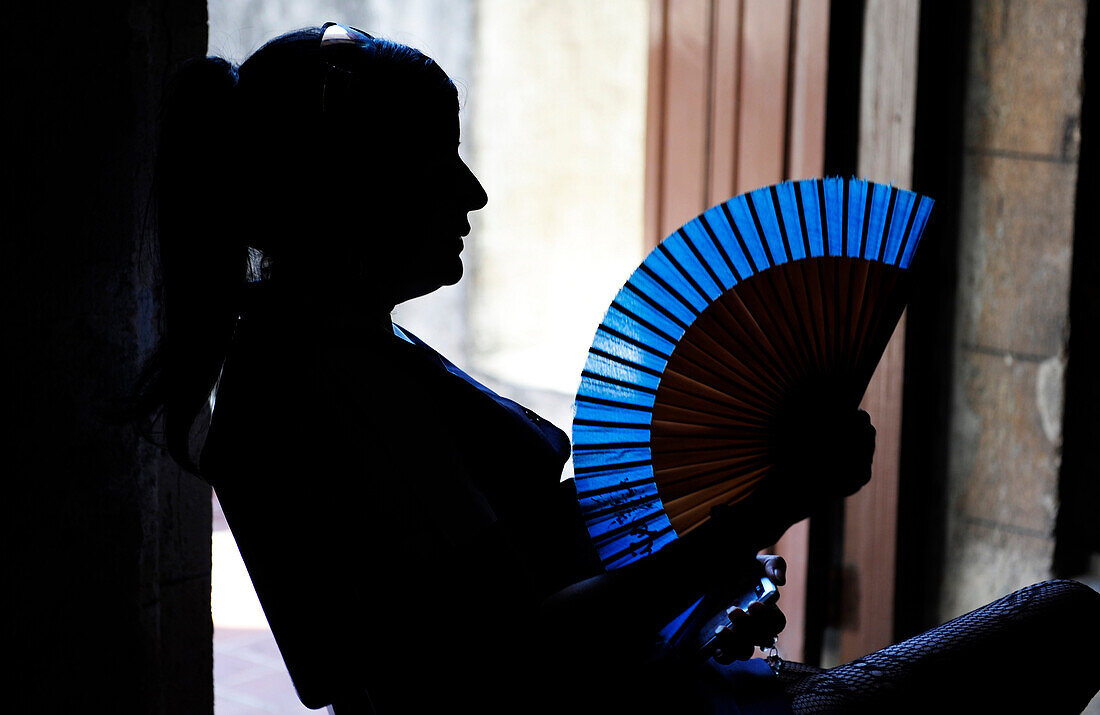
(1035,649)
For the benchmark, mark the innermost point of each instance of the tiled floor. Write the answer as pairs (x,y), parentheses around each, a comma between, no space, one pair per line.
(249,675)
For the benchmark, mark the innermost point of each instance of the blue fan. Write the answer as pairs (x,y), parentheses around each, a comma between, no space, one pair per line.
(790,287)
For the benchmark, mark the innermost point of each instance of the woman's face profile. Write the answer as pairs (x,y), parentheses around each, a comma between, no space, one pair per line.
(424,205)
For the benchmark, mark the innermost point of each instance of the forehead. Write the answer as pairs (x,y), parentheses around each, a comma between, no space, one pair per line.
(433,124)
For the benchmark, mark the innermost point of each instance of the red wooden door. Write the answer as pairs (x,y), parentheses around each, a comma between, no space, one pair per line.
(736,101)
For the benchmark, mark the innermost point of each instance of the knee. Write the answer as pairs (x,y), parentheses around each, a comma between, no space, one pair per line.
(1075,605)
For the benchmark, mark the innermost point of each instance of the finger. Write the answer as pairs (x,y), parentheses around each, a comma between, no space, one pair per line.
(731,645)
(765,618)
(763,624)
(775,568)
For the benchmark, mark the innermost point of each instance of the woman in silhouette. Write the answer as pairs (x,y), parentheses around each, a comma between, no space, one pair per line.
(406,528)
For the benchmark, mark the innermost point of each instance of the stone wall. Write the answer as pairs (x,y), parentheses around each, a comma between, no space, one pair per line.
(107,560)
(1021,137)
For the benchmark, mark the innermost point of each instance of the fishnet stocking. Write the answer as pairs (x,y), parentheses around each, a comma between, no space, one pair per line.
(1035,648)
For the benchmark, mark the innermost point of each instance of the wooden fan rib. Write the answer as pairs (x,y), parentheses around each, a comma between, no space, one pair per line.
(702,354)
(767,304)
(833,195)
(675,486)
(733,211)
(724,468)
(663,443)
(819,311)
(734,320)
(675,471)
(725,419)
(725,492)
(689,518)
(851,324)
(812,214)
(679,385)
(705,357)
(790,231)
(881,283)
(676,467)
(677,450)
(879,205)
(795,216)
(706,401)
(881,327)
(780,310)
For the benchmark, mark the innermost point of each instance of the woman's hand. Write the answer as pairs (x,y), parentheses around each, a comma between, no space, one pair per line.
(758,626)
(821,454)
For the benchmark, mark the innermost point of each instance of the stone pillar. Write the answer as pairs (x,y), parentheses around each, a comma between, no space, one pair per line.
(1014,256)
(108,550)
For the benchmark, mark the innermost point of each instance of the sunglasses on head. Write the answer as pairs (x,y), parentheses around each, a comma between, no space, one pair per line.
(337,77)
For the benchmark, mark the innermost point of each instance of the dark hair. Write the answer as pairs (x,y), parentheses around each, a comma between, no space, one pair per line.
(234,145)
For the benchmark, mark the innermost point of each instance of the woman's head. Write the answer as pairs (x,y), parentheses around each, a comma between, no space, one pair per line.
(353,144)
(334,155)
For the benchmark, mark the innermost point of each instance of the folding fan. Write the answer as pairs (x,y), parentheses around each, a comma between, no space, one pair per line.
(786,288)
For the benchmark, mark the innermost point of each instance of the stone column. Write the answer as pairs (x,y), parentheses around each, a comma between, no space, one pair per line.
(1014,256)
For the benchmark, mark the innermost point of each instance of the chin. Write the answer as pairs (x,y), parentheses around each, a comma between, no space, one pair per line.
(451,272)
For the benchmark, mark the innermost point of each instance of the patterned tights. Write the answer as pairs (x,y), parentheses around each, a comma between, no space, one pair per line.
(1035,650)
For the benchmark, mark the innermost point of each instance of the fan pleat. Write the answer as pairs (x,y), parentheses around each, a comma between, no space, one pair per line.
(789,286)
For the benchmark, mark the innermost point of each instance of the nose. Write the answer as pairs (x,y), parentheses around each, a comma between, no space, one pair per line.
(474,193)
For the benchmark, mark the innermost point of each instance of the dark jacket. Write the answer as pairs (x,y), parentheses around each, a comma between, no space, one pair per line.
(401,523)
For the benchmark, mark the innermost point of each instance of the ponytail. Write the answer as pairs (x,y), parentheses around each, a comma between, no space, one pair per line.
(202,251)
